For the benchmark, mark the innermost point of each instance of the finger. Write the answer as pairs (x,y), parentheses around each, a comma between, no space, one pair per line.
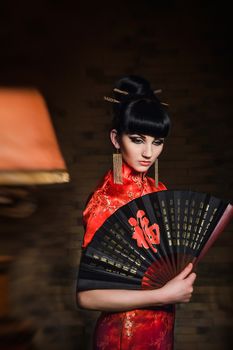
(188,298)
(186,271)
(191,278)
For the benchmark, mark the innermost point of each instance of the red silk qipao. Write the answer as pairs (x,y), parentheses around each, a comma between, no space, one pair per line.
(150,329)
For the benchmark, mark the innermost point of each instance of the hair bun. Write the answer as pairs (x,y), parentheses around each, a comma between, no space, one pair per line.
(132,86)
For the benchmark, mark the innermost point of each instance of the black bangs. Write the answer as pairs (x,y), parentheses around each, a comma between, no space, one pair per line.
(145,117)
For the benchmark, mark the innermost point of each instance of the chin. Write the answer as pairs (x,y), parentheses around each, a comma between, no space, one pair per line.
(141,168)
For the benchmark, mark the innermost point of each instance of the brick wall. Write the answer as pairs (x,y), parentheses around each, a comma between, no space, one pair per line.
(74,53)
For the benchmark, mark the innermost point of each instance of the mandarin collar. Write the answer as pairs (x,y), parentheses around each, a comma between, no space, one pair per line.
(129,173)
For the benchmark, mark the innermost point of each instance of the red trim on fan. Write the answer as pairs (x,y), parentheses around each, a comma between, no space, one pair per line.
(160,272)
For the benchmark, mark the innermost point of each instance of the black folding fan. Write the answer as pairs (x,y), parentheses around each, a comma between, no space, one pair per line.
(149,240)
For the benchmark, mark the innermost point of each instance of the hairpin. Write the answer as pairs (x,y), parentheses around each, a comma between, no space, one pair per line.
(110,99)
(123,92)
(158,91)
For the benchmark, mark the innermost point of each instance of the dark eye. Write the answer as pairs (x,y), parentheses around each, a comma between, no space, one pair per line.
(136,140)
(158,142)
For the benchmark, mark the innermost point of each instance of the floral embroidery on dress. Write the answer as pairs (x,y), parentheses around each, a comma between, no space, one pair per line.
(138,180)
(101,202)
(135,330)
(128,325)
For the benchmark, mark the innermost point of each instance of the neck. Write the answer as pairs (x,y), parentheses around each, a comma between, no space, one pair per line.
(128,170)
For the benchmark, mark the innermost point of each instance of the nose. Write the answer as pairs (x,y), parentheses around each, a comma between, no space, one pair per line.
(147,151)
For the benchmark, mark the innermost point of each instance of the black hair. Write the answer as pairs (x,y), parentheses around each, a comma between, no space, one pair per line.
(139,110)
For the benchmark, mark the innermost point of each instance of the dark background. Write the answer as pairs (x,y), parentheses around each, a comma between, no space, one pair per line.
(73,52)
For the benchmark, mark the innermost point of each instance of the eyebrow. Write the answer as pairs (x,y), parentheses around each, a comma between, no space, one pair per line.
(144,136)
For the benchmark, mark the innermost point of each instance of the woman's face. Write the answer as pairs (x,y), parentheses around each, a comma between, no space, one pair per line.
(138,151)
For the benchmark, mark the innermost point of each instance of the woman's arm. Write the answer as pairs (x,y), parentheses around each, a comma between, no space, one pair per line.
(178,290)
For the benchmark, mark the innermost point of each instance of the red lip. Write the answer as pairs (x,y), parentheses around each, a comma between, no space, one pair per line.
(144,163)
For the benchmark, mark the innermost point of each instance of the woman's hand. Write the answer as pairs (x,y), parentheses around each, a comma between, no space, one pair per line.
(180,288)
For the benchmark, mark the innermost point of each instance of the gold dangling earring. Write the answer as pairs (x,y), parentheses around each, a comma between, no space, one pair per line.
(156,172)
(117,167)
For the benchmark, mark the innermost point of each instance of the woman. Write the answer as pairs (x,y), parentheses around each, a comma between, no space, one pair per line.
(133,319)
